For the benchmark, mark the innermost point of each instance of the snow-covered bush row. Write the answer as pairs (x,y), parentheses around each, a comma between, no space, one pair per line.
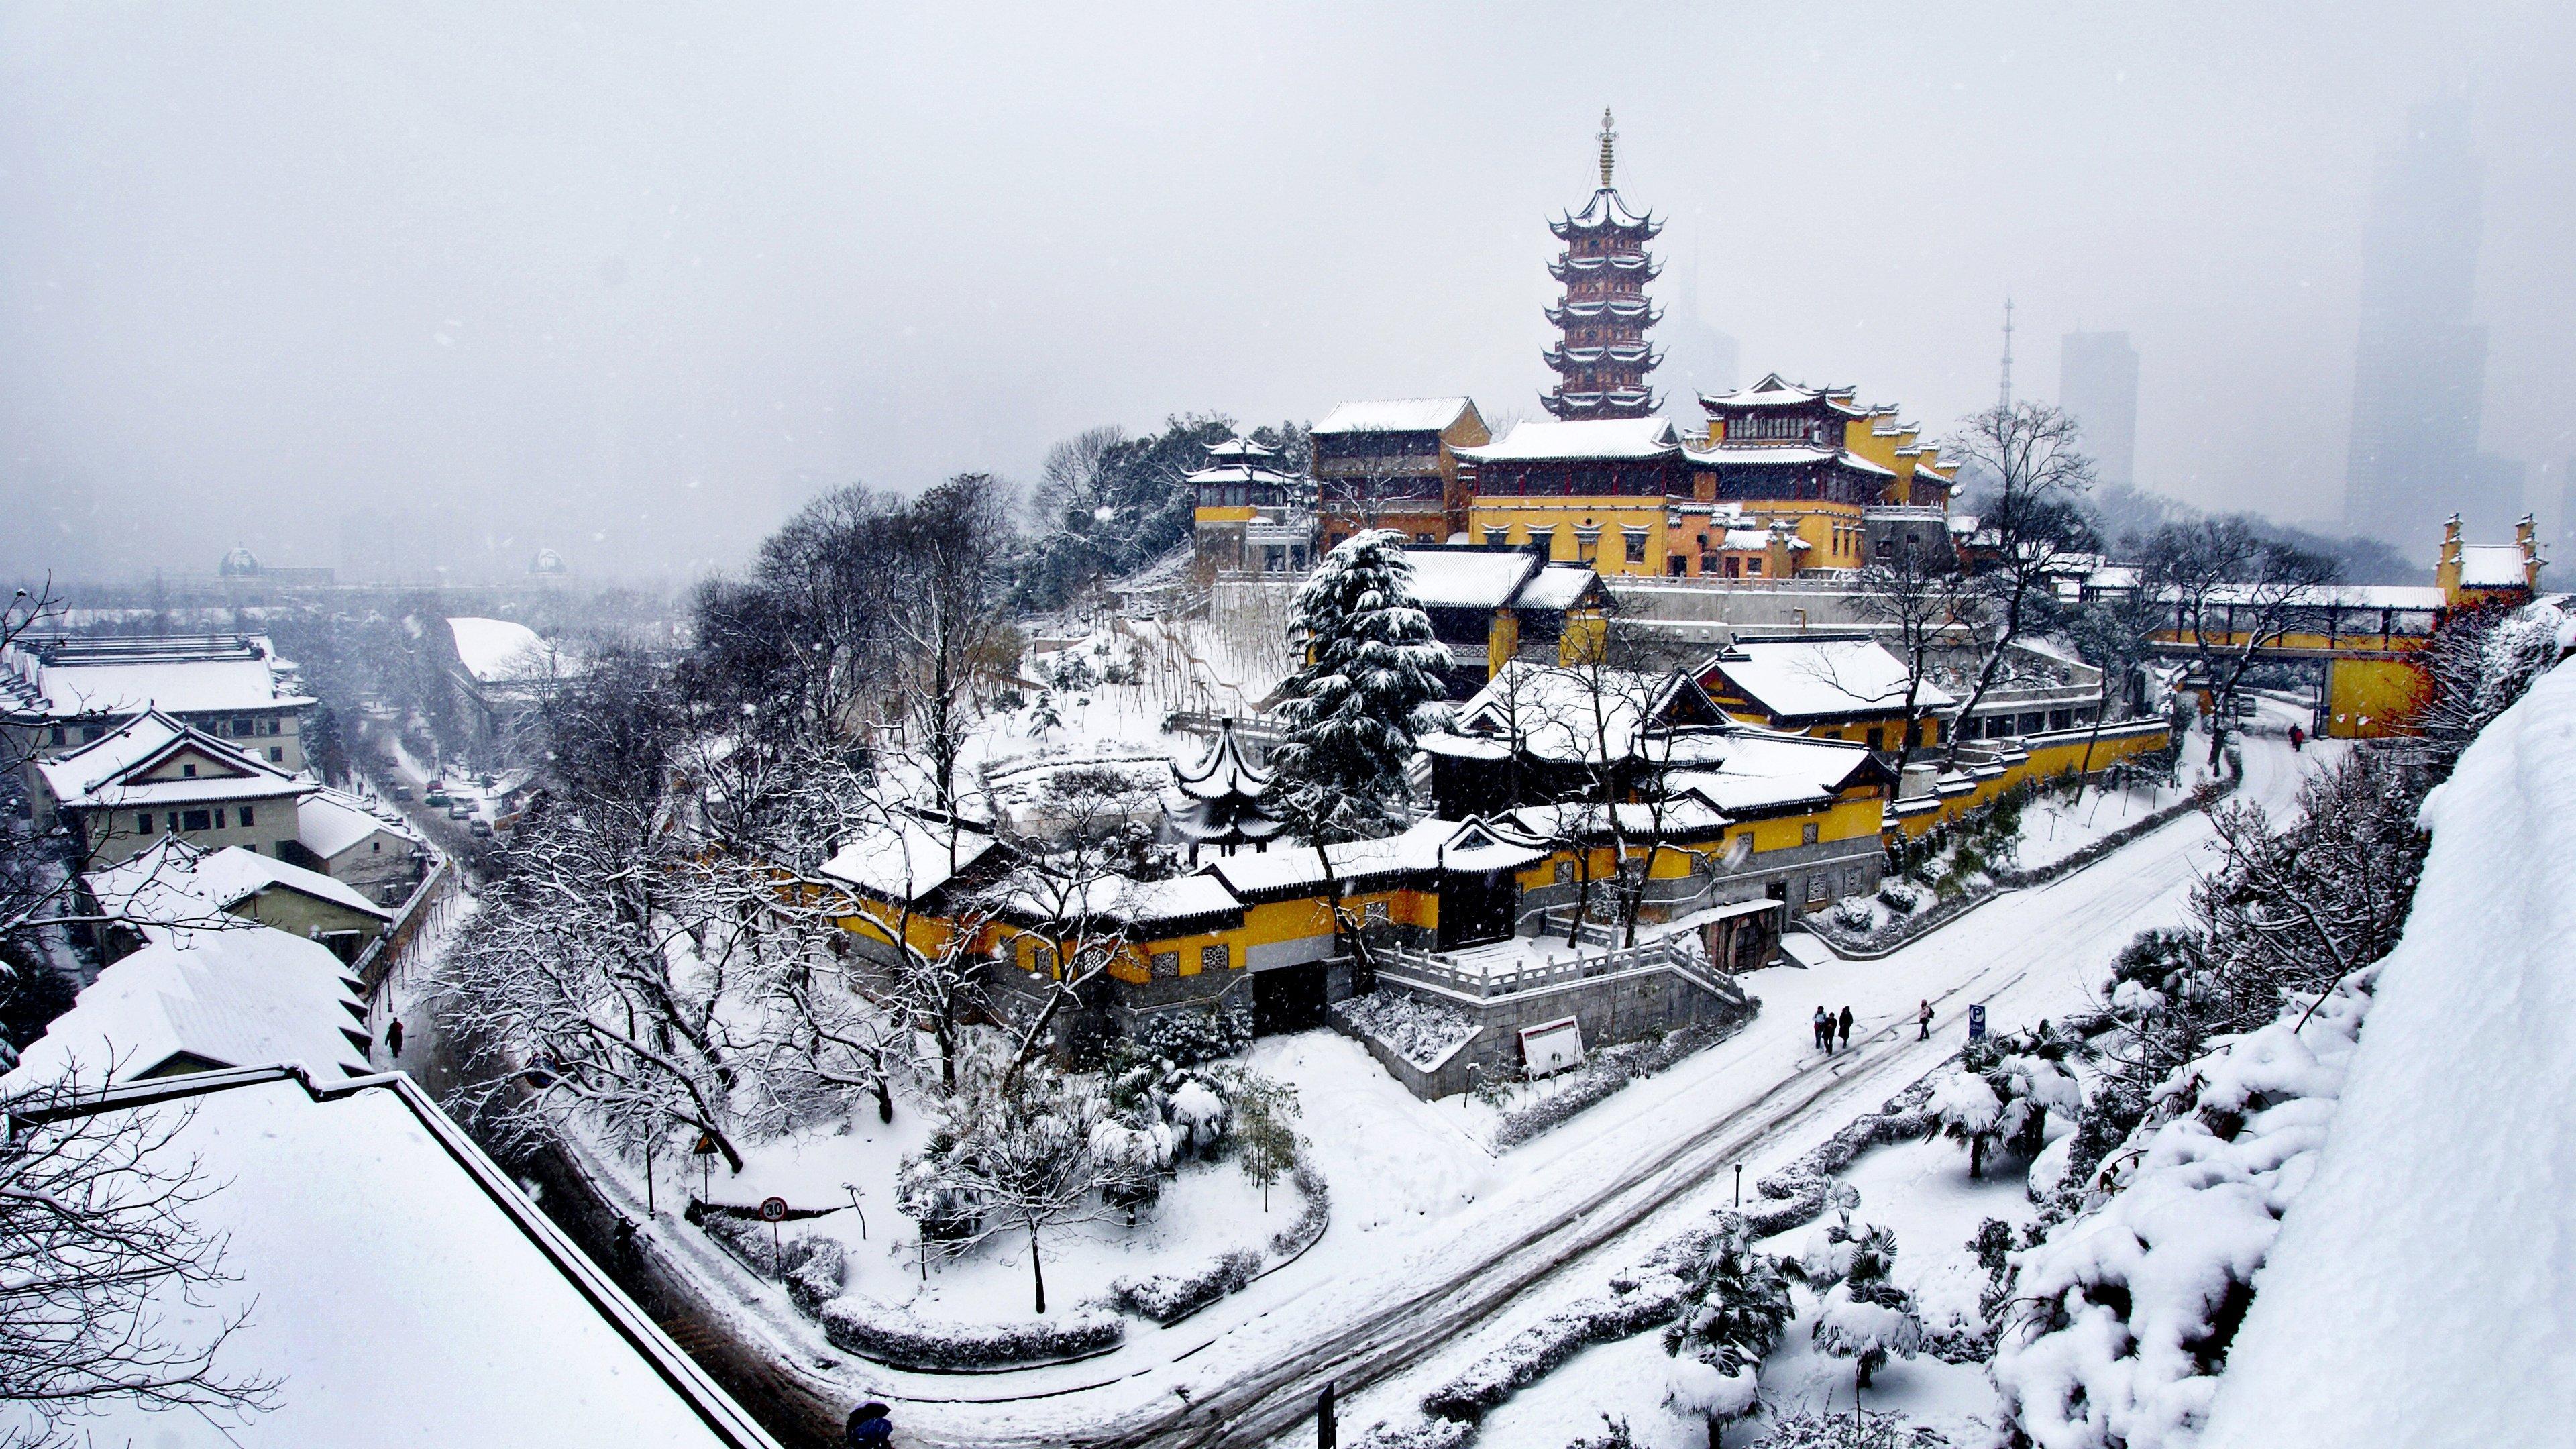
(1420,1031)
(1634,1304)
(1310,1221)
(1610,1069)
(1168,1297)
(1834,1429)
(2129,1309)
(894,1337)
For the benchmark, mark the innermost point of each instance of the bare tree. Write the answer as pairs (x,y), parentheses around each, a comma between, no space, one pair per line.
(2232,595)
(2031,526)
(106,1297)
(1073,894)
(1920,597)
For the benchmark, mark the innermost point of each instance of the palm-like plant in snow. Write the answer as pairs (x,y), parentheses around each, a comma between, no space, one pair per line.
(1735,1304)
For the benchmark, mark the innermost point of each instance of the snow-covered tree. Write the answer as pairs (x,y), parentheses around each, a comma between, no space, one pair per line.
(1370,685)
(2029,521)
(1970,1114)
(2233,594)
(1734,1305)
(1265,1114)
(1023,1153)
(1864,1316)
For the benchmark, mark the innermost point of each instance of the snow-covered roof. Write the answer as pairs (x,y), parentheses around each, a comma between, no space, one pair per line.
(1775,391)
(1240,447)
(1762,770)
(1557,586)
(227,998)
(330,821)
(1430,845)
(1468,578)
(1239,473)
(173,883)
(2343,596)
(1396,415)
(112,770)
(905,859)
(1223,771)
(401,1287)
(499,651)
(122,677)
(1579,715)
(1608,208)
(1769,454)
(1537,441)
(2491,566)
(1818,678)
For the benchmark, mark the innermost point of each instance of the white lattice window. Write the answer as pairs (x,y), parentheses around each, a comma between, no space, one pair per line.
(1215,958)
(1167,964)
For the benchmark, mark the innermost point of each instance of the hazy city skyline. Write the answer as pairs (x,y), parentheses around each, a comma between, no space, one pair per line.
(633,285)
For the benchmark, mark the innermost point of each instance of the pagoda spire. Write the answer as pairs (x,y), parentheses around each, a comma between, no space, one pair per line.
(1602,356)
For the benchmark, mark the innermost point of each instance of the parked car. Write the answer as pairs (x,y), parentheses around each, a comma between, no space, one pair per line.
(439,784)
(460,811)
(479,828)
(438,799)
(402,794)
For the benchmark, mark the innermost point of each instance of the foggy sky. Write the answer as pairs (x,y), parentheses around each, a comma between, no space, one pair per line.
(633,281)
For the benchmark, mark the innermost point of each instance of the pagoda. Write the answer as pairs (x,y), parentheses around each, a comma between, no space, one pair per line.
(1219,801)
(1602,359)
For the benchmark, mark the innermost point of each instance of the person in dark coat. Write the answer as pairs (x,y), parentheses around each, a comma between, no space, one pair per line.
(1824,1031)
(2298,737)
(1923,1019)
(870,1428)
(1847,1020)
(393,1039)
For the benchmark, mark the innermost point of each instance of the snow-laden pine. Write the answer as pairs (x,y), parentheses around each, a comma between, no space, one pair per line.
(1370,685)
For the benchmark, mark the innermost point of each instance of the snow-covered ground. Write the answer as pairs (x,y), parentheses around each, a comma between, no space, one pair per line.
(1922,1191)
(1419,1208)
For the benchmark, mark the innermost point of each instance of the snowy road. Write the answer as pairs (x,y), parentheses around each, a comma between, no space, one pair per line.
(1384,1317)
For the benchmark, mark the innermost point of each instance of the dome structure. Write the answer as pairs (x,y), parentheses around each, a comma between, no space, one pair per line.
(241,563)
(547,561)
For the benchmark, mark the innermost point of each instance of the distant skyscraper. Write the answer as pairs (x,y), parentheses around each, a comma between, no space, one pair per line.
(2419,370)
(1698,358)
(2097,381)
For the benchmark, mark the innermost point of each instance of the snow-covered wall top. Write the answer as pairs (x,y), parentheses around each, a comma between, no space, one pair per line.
(2423,1289)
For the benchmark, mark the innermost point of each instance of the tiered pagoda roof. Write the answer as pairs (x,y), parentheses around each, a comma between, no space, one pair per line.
(1603,357)
(1220,800)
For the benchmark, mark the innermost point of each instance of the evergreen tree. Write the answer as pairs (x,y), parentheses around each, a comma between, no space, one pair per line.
(1370,684)
(1733,1308)
(1866,1317)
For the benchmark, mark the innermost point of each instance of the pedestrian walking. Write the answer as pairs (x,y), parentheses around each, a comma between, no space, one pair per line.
(1824,1027)
(1923,1019)
(1847,1020)
(2298,737)
(870,1428)
(393,1039)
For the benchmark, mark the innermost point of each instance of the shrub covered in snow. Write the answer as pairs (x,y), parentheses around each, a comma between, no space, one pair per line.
(1187,1037)
(1168,1297)
(1309,1223)
(1735,1302)
(1422,1032)
(893,1336)
(1969,1113)
(815,1267)
(1865,1317)
(2130,1307)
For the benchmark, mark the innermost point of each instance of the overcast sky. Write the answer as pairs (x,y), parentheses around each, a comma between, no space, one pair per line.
(633,281)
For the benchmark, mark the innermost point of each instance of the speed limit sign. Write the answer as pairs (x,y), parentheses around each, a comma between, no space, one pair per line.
(773,1210)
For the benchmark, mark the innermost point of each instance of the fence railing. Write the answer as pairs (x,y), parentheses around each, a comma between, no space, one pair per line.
(421,911)
(1444,970)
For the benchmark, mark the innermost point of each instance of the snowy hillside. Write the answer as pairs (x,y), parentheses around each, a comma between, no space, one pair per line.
(2423,1291)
